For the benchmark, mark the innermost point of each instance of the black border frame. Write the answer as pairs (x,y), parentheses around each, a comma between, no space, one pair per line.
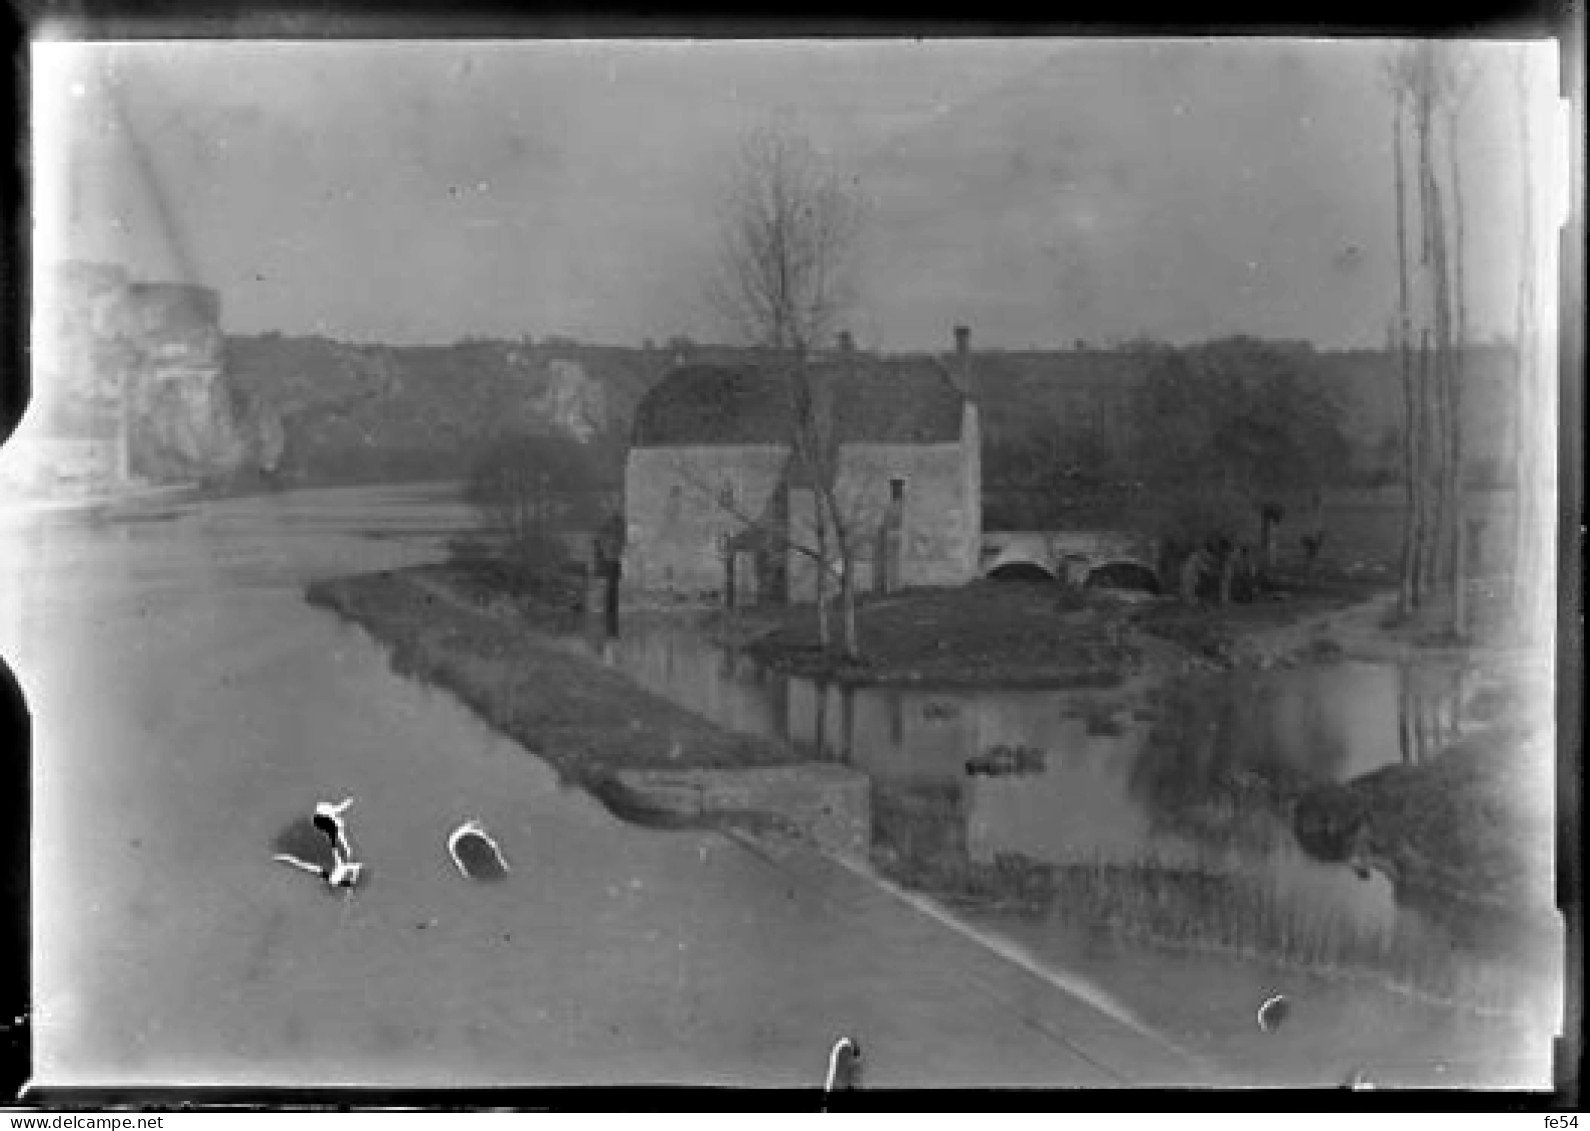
(1563,20)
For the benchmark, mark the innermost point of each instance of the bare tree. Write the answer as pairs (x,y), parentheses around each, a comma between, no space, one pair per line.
(1531,462)
(746,514)
(1429,88)
(528,488)
(1460,83)
(1413,457)
(1432,259)
(750,510)
(784,281)
(785,267)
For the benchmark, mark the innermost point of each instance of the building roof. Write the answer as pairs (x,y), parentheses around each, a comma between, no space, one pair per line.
(894,401)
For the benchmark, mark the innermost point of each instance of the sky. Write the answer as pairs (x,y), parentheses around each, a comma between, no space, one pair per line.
(1039,191)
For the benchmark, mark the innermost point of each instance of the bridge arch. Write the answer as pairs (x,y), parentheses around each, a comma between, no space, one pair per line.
(1023,558)
(1020,571)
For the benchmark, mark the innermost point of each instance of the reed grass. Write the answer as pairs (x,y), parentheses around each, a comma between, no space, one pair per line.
(1204,910)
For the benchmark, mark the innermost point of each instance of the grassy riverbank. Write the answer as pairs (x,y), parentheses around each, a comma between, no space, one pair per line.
(988,633)
(559,702)
(1278,626)
(1039,634)
(1474,823)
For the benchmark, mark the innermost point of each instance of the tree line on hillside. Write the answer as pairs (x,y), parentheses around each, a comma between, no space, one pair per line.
(1235,420)
(1057,426)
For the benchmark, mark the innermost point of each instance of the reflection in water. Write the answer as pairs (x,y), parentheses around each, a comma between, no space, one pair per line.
(1429,709)
(1170,818)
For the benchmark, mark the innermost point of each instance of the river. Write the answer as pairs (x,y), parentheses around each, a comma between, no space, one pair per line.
(188,703)
(1074,824)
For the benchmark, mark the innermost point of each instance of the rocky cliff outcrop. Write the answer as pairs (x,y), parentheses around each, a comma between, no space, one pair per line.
(572,401)
(107,341)
(353,413)
(182,422)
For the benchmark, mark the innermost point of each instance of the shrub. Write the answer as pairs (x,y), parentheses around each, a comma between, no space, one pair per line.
(534,493)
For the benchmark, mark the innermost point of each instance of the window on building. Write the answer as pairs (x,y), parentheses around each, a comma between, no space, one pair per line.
(896,490)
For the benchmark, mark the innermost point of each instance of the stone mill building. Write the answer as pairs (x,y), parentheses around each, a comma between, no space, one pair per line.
(716,501)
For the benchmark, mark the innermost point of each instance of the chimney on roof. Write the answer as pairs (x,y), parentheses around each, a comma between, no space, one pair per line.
(963,359)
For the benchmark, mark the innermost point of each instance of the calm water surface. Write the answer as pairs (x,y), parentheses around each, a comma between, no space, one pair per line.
(1119,803)
(1115,803)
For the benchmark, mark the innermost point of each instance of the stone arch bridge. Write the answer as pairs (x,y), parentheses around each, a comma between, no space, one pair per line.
(1078,557)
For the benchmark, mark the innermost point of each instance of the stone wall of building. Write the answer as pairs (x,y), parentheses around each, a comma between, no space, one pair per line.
(677,514)
(685,504)
(938,523)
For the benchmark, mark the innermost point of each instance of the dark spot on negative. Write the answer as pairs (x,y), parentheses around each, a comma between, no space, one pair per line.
(302,839)
(480,861)
(1273,1012)
(328,827)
